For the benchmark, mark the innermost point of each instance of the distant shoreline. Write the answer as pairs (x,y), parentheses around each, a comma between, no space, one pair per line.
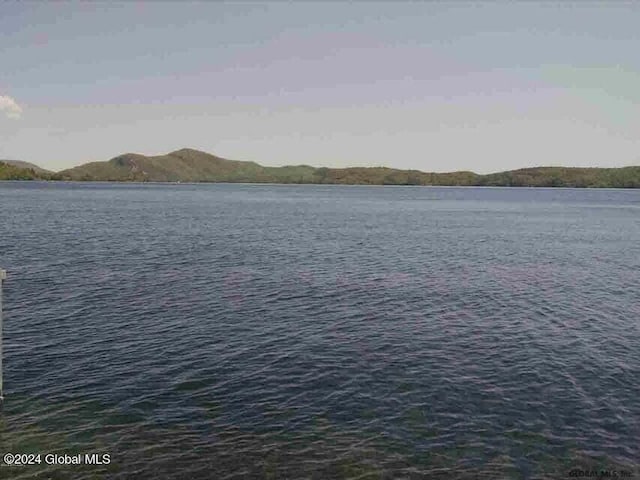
(135,182)
(193,167)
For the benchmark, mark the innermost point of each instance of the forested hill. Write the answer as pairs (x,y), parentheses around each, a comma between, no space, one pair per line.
(9,171)
(189,165)
(25,165)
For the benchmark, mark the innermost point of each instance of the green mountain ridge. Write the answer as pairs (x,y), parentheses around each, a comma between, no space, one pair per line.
(25,165)
(188,165)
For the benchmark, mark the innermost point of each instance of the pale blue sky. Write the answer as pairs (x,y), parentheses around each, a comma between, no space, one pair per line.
(436,86)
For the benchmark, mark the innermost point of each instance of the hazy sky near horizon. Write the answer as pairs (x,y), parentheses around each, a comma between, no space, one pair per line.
(436,86)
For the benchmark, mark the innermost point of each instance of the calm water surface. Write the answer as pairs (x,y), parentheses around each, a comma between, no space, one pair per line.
(264,331)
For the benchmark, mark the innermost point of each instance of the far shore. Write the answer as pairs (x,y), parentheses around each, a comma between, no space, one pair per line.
(137,183)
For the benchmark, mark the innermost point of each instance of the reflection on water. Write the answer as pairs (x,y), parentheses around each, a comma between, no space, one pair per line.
(229,331)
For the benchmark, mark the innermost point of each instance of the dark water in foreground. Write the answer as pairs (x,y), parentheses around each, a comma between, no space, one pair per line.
(246,331)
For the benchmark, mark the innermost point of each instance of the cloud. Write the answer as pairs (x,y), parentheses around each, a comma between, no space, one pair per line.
(10,108)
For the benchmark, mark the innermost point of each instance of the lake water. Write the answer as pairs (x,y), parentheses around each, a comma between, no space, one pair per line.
(265,331)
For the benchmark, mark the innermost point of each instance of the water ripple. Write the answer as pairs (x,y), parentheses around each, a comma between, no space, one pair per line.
(231,331)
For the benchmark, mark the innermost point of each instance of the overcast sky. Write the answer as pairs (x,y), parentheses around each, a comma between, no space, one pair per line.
(436,86)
